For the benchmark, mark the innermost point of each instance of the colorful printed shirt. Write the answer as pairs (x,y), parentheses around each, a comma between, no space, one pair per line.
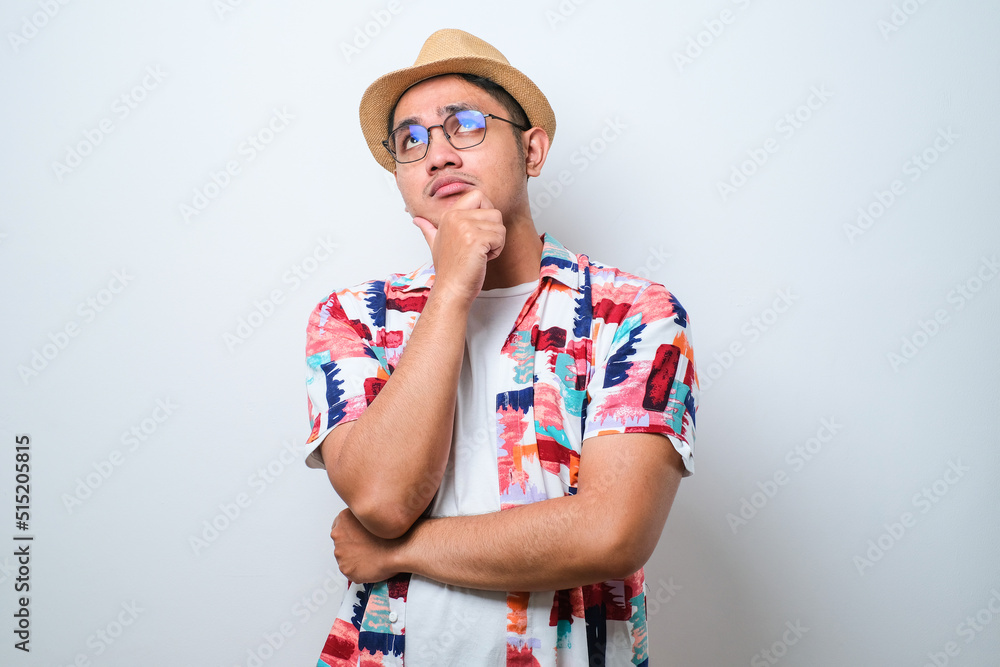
(594,351)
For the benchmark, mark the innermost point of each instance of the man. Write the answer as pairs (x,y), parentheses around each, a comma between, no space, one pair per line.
(514,418)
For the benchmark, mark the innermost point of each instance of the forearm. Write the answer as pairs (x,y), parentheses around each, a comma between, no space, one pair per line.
(547,545)
(391,463)
(606,530)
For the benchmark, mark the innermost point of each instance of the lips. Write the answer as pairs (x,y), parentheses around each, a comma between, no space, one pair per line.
(448,185)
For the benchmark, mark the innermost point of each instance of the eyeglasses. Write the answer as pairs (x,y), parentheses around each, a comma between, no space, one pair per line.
(463,129)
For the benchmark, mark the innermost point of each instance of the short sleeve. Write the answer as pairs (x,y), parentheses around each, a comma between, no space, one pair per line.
(647,382)
(343,373)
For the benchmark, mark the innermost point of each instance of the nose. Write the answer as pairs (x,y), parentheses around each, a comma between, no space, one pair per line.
(440,152)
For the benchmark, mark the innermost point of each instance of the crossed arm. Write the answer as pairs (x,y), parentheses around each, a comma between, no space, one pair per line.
(607,530)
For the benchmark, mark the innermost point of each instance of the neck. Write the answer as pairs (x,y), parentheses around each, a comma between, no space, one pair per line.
(521,257)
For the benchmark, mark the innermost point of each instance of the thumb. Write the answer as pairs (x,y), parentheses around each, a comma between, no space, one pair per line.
(427,229)
(473,199)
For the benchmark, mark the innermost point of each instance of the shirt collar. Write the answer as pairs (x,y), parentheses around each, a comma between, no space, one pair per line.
(557,263)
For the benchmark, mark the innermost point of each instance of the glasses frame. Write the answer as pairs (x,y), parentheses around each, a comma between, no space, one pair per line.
(388,141)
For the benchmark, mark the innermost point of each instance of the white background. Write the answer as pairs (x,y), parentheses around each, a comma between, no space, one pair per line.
(721,591)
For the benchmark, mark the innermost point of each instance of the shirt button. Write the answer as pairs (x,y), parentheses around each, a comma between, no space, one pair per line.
(393,617)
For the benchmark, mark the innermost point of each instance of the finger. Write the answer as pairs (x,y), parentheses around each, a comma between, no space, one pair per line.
(496,246)
(485,202)
(427,229)
(472,199)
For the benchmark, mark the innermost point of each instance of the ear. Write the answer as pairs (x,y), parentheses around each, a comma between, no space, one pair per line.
(536,149)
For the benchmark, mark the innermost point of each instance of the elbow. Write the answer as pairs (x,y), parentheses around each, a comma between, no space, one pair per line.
(393,511)
(623,554)
(385,518)
(622,565)
(387,510)
(382,514)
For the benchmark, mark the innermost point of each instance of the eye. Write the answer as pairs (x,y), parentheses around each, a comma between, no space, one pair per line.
(469,121)
(411,137)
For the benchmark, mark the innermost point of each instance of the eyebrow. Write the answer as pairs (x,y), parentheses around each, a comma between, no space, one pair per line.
(441,111)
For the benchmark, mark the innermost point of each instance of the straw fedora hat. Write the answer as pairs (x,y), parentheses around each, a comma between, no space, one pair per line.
(449,51)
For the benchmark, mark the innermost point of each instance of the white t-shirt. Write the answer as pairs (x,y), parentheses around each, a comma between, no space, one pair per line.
(451,625)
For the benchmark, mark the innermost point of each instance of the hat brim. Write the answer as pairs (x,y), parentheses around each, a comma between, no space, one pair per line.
(384,92)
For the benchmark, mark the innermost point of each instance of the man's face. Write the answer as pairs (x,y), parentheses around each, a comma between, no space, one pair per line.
(493,167)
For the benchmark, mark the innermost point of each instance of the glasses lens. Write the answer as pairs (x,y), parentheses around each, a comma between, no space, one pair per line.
(466,128)
(409,142)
